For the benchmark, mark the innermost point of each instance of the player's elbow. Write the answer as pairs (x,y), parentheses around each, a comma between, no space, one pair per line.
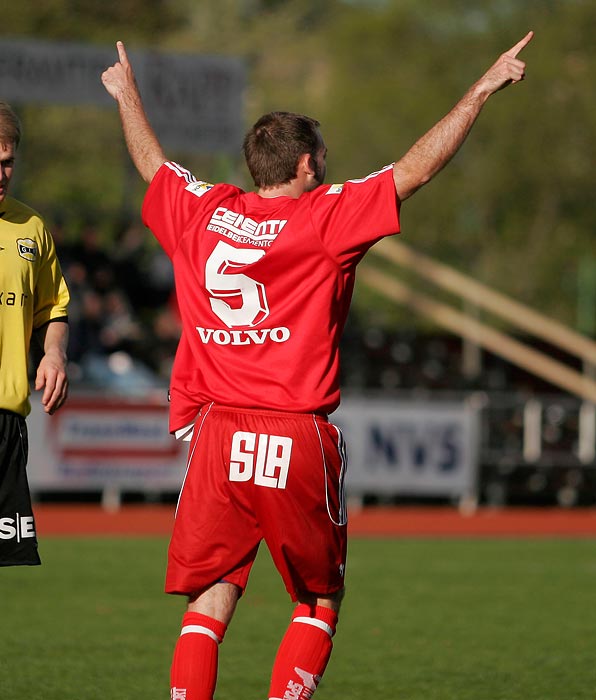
(148,169)
(407,181)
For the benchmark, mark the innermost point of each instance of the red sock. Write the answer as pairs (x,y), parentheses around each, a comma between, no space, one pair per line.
(194,666)
(303,653)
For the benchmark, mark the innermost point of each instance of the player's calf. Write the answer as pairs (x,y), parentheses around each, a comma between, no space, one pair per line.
(194,667)
(303,654)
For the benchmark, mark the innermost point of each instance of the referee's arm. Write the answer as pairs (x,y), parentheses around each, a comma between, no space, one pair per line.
(51,371)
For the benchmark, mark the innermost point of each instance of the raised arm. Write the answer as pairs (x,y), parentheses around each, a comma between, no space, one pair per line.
(431,153)
(144,148)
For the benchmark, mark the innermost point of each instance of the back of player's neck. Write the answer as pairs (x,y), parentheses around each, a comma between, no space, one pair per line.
(289,189)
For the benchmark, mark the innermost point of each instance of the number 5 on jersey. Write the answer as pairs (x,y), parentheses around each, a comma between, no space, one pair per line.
(236,298)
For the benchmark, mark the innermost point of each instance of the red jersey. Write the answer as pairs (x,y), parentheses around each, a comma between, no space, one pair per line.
(264,286)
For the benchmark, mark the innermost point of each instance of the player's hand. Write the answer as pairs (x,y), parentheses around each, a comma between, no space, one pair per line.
(51,377)
(508,69)
(119,79)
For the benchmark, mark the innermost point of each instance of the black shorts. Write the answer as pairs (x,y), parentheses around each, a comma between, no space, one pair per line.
(18,540)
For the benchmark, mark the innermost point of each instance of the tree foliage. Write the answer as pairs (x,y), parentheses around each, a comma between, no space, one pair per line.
(514,208)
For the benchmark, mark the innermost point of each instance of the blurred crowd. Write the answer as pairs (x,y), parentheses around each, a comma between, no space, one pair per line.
(123,316)
(124,324)
(124,328)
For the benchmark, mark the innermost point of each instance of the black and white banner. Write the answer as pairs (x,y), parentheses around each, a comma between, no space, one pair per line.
(194,102)
(409,448)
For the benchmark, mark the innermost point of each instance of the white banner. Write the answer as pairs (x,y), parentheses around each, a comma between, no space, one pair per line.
(409,448)
(394,448)
(100,443)
(194,102)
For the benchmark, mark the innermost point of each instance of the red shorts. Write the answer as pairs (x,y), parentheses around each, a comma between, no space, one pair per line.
(255,475)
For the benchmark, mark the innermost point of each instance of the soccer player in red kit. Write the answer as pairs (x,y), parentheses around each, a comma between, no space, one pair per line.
(264,281)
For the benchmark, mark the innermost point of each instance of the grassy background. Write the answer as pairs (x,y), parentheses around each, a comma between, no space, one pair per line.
(422,620)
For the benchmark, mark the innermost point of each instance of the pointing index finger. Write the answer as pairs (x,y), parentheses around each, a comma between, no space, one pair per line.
(514,50)
(122,53)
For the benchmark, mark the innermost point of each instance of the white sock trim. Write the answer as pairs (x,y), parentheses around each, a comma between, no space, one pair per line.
(315,623)
(199,629)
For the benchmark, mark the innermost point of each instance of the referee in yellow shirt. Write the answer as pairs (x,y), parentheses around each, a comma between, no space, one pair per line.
(33,305)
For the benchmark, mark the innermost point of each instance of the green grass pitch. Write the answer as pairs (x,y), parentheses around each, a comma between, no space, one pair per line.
(453,619)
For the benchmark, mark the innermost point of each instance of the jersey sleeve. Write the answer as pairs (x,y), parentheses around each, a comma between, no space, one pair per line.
(352,217)
(51,292)
(170,202)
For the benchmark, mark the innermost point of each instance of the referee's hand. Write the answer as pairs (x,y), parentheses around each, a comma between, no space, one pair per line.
(51,377)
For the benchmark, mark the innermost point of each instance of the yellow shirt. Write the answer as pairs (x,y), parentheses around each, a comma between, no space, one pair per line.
(32,292)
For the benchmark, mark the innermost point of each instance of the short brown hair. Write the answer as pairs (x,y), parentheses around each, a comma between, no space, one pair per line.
(273,146)
(10,126)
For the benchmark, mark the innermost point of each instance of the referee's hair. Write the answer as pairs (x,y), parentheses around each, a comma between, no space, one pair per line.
(274,145)
(10,126)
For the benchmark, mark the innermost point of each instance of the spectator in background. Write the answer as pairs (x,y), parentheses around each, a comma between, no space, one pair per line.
(142,270)
(33,306)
